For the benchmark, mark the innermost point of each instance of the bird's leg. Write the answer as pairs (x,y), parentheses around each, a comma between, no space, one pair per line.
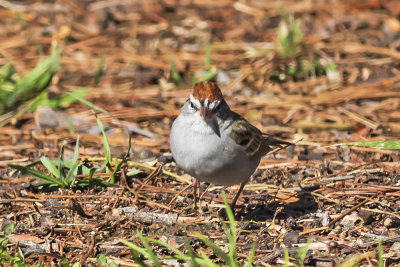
(237,195)
(195,192)
(196,187)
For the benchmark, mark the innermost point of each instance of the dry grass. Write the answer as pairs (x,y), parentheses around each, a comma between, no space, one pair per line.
(346,198)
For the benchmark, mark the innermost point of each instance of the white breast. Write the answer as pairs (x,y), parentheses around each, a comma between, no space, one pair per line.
(200,152)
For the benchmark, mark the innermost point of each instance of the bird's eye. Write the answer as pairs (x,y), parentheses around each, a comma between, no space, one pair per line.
(191,105)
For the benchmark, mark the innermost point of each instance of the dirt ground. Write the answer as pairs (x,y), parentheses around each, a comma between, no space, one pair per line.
(341,85)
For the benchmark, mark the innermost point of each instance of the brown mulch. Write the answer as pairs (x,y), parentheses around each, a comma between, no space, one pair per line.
(344,197)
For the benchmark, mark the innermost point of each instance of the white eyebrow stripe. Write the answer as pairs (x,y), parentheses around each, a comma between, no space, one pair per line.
(195,101)
(214,104)
(207,103)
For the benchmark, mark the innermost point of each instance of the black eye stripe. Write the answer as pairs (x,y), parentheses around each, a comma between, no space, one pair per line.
(192,105)
(217,107)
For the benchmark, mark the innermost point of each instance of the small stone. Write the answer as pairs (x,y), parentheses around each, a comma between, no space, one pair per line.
(350,221)
(115,212)
(396,248)
(365,73)
(143,155)
(333,244)
(367,216)
(324,218)
(321,262)
(291,238)
(391,222)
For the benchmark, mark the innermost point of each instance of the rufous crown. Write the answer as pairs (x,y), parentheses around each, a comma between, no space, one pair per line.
(207,91)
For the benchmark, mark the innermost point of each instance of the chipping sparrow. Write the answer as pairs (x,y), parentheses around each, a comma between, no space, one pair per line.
(214,144)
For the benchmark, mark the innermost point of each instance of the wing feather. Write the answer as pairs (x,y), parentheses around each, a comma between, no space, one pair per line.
(252,140)
(247,136)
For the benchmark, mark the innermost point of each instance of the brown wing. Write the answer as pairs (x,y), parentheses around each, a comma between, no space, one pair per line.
(247,136)
(252,140)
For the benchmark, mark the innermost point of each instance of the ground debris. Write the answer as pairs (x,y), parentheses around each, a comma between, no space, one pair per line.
(341,86)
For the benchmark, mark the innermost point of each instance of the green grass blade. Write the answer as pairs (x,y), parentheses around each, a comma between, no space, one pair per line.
(90,177)
(113,264)
(206,76)
(393,144)
(207,261)
(105,140)
(7,71)
(302,252)
(180,255)
(135,247)
(191,254)
(225,257)
(9,228)
(70,180)
(129,148)
(71,127)
(119,164)
(107,150)
(149,251)
(68,98)
(380,254)
(37,80)
(45,80)
(195,78)
(21,257)
(76,152)
(101,260)
(61,166)
(175,74)
(99,71)
(207,58)
(42,99)
(286,256)
(229,213)
(28,105)
(64,263)
(110,170)
(351,260)
(37,174)
(91,105)
(209,75)
(231,233)
(251,255)
(50,166)
(137,259)
(232,243)
(290,36)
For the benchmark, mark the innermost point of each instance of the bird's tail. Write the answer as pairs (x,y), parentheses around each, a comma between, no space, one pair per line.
(275,144)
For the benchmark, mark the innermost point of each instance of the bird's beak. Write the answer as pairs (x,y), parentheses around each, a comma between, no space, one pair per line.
(205,113)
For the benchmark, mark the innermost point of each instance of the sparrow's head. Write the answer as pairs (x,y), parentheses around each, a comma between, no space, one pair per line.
(206,98)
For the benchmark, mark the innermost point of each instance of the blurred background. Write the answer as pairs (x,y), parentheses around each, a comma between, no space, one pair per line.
(326,67)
